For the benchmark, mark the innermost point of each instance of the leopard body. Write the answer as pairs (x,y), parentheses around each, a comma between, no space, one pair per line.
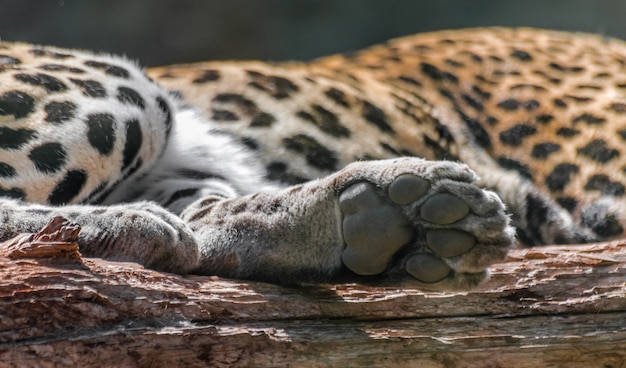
(299,172)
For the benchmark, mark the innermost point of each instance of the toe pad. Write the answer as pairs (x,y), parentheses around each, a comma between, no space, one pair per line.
(449,242)
(407,189)
(444,209)
(427,268)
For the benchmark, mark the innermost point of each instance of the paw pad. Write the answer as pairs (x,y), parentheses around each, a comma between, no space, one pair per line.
(406,189)
(449,242)
(427,268)
(434,227)
(369,220)
(444,209)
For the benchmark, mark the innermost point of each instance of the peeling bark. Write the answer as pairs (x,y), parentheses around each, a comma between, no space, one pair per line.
(543,307)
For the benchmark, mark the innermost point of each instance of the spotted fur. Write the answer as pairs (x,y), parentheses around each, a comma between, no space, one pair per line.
(539,115)
(232,149)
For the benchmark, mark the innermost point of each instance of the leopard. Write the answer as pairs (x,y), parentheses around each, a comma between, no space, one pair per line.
(421,161)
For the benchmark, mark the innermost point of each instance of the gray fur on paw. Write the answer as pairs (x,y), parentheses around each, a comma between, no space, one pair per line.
(141,232)
(436,231)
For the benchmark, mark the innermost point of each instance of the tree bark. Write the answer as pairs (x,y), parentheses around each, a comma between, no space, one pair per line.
(543,307)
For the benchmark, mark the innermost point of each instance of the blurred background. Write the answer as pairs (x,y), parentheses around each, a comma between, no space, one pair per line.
(159,32)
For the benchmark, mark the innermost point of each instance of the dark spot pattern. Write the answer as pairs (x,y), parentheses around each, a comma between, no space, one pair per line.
(601,221)
(610,227)
(259,119)
(590,87)
(90,198)
(516,134)
(278,171)
(337,96)
(472,102)
(134,139)
(531,105)
(50,83)
(165,108)
(603,184)
(101,132)
(16,103)
(262,119)
(49,53)
(567,132)
(390,149)
(577,99)
(180,194)
(559,103)
(544,118)
(276,86)
(198,175)
(113,70)
(481,136)
(61,68)
(568,203)
(441,145)
(223,115)
(510,104)
(129,96)
(15,139)
(410,80)
(536,217)
(491,120)
(48,158)
(14,193)
(325,120)
(521,55)
(474,57)
(589,119)
(250,143)
(68,188)
(566,69)
(315,153)
(543,150)
(520,168)
(9,60)
(376,116)
(437,74)
(246,105)
(91,88)
(532,87)
(59,112)
(207,75)
(481,93)
(619,108)
(547,77)
(454,63)
(598,150)
(6,170)
(560,176)
(125,175)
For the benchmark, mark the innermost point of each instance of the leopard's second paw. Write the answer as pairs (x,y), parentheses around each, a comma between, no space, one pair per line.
(141,232)
(423,221)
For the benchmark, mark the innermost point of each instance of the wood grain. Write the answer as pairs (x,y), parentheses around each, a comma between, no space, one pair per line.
(544,307)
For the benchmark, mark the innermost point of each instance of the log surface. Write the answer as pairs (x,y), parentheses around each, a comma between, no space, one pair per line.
(543,307)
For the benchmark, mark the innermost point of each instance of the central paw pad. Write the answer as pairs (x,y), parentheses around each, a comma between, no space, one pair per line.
(429,230)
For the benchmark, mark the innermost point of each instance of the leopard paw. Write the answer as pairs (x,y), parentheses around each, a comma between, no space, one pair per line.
(141,232)
(423,221)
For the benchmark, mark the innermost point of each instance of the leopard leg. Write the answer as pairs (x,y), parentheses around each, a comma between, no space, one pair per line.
(394,221)
(141,232)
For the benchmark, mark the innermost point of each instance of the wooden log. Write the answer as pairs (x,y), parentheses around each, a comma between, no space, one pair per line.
(543,307)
